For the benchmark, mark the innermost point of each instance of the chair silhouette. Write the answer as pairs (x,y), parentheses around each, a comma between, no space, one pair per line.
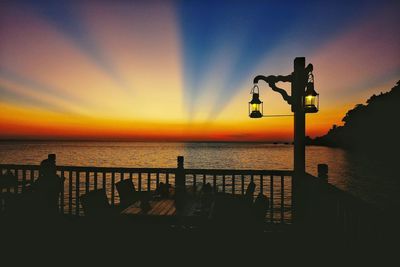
(127,192)
(164,190)
(95,203)
(249,195)
(8,191)
(8,181)
(260,207)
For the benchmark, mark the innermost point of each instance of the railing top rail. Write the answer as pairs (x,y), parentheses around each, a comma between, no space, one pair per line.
(20,166)
(154,170)
(113,169)
(89,168)
(239,172)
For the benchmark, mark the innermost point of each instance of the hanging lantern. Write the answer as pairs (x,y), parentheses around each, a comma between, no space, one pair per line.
(255,105)
(311,98)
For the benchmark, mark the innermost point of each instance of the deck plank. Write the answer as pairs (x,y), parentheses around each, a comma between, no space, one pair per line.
(159,205)
(171,211)
(168,205)
(155,206)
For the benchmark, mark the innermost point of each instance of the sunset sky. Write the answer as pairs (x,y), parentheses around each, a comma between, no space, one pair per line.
(183,70)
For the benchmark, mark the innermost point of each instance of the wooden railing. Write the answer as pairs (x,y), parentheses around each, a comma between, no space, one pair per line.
(343,217)
(320,206)
(275,184)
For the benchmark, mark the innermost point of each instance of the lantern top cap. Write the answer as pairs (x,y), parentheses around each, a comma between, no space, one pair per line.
(255,99)
(310,86)
(310,90)
(256,95)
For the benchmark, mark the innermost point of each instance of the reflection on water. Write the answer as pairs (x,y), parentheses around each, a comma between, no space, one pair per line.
(359,175)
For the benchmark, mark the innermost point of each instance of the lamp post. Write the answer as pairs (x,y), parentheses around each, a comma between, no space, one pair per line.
(303,99)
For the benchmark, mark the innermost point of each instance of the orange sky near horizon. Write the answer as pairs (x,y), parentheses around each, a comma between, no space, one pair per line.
(22,123)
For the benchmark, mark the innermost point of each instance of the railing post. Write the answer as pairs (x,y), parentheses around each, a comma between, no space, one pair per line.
(180,179)
(180,185)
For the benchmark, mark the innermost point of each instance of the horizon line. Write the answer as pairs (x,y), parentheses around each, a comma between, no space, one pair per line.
(148,141)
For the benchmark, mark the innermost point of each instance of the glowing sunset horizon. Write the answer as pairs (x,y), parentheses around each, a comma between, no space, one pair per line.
(182,71)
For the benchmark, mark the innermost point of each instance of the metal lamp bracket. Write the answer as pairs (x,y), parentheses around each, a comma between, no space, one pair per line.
(272,80)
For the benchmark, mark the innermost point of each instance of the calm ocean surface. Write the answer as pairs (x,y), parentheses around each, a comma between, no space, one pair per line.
(362,177)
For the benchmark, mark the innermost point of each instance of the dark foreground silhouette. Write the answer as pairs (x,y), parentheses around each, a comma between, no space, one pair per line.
(46,189)
(235,229)
(87,241)
(39,199)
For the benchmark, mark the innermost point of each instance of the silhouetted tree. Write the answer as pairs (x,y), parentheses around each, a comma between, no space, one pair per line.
(373,127)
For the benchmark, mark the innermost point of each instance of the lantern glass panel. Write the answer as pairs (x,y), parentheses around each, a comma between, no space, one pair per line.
(255,107)
(310,100)
(255,110)
(311,103)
